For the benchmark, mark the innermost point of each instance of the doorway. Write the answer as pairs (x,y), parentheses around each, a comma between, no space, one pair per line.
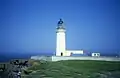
(61,54)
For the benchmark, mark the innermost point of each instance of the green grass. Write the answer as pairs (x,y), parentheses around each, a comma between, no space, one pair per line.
(76,69)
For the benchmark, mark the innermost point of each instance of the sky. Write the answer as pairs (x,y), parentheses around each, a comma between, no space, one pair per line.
(29,26)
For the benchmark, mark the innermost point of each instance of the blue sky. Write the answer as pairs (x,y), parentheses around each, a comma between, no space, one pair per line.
(28,26)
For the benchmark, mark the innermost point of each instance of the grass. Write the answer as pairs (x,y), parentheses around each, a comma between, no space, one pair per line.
(75,69)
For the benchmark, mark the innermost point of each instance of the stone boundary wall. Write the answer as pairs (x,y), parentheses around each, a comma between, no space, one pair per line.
(56,58)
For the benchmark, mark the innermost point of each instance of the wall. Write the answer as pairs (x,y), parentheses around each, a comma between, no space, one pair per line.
(55,58)
(58,58)
(69,52)
(75,51)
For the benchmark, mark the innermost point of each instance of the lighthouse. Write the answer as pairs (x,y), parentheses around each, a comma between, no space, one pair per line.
(61,45)
(60,40)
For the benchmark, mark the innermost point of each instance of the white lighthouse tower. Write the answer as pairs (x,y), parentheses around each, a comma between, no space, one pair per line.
(60,43)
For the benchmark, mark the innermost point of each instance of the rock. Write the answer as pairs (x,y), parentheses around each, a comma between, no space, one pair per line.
(34,71)
(48,77)
(79,74)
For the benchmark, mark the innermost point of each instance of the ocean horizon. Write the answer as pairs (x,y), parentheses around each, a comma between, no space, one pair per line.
(8,57)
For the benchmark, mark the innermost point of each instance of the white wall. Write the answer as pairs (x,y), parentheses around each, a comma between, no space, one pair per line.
(55,58)
(75,51)
(58,58)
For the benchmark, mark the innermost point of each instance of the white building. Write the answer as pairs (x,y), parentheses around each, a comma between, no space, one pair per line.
(61,41)
(95,54)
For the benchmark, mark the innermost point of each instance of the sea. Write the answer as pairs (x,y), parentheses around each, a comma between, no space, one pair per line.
(7,57)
